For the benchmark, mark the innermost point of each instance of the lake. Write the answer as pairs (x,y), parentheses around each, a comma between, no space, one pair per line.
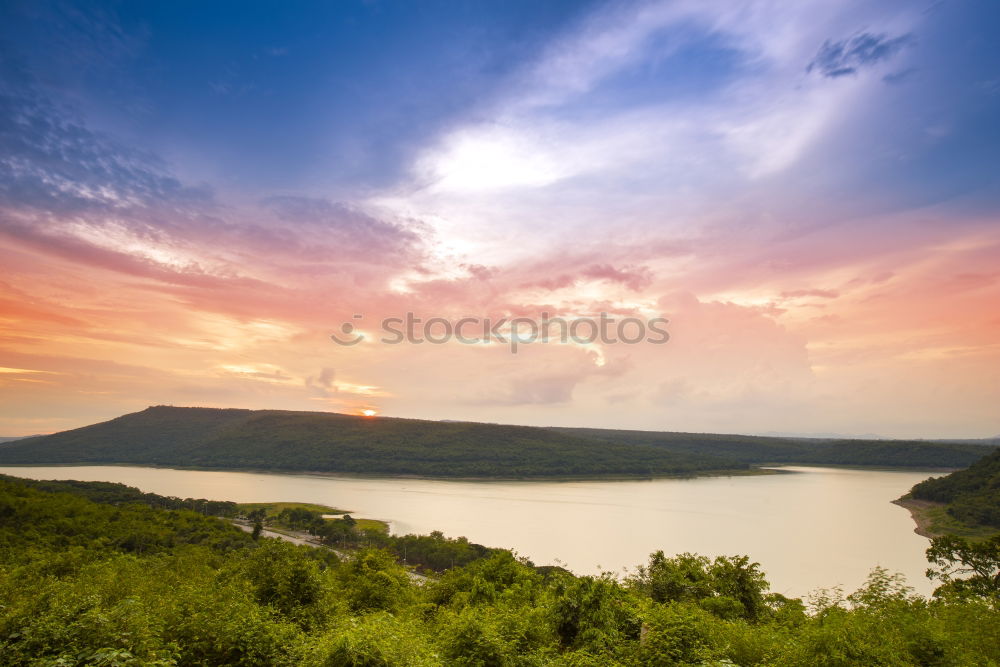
(809,528)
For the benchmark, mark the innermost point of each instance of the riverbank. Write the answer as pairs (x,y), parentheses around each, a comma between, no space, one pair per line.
(556,521)
(932,520)
(326,474)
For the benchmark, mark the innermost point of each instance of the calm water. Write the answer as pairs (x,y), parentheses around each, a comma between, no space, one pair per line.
(816,528)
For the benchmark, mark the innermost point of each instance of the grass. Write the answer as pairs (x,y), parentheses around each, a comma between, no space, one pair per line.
(373,524)
(933,520)
(272,509)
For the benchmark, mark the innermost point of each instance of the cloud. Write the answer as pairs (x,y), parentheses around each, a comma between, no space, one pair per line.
(537,390)
(51,163)
(325,378)
(342,229)
(71,193)
(263,372)
(799,293)
(847,56)
(322,385)
(566,141)
(635,278)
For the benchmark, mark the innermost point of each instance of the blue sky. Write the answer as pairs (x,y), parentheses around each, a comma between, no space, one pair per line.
(192,195)
(269,94)
(335,96)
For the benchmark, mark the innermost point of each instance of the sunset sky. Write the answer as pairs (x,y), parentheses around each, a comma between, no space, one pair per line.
(194,196)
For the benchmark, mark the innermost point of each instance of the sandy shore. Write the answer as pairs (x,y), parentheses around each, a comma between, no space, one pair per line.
(918,510)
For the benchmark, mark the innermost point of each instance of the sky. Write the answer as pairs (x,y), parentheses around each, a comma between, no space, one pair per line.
(194,196)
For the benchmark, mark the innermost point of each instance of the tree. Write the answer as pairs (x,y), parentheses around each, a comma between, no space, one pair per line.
(729,587)
(955,556)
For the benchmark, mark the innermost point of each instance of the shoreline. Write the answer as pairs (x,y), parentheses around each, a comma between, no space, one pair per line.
(932,520)
(918,510)
(724,472)
(755,469)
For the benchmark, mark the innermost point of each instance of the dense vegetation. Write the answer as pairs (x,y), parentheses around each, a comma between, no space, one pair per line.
(432,553)
(328,442)
(751,449)
(972,495)
(315,441)
(113,493)
(85,583)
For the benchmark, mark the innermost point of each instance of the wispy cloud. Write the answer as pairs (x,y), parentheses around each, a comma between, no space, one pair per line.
(739,168)
(847,56)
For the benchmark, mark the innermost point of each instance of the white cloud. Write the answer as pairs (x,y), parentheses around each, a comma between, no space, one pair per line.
(546,154)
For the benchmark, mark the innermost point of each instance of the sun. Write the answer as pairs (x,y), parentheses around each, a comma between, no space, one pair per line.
(369,412)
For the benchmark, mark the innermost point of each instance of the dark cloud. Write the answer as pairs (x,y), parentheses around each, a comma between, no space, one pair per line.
(849,55)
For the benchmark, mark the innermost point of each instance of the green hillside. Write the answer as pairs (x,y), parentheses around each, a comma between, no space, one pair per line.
(752,449)
(328,442)
(972,496)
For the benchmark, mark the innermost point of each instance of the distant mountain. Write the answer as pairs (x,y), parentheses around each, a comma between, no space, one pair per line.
(12,438)
(329,442)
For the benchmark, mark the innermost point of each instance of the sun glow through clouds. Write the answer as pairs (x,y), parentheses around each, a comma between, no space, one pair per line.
(787,199)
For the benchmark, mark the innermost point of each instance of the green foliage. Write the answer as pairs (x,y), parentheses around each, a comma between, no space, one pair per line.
(318,441)
(476,638)
(375,640)
(36,519)
(956,556)
(755,449)
(676,634)
(300,518)
(200,594)
(729,587)
(593,613)
(972,495)
(428,552)
(286,578)
(500,577)
(321,441)
(374,582)
(113,493)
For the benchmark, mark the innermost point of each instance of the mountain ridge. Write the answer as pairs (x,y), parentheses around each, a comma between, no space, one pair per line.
(292,441)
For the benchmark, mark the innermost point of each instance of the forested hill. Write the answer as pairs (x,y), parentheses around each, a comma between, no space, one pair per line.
(755,449)
(972,495)
(329,442)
